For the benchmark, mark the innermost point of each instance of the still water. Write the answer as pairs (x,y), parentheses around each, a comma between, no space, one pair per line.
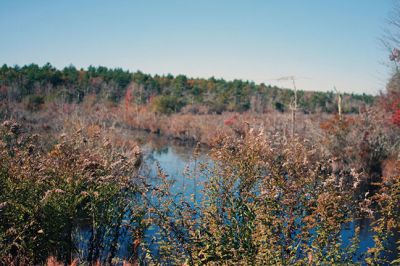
(175,158)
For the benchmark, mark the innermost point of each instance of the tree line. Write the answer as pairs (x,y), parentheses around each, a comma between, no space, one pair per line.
(39,84)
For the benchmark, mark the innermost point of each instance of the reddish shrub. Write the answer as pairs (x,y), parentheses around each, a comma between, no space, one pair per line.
(230,121)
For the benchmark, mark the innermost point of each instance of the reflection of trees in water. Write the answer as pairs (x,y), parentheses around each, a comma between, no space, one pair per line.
(154,143)
(162,150)
(161,145)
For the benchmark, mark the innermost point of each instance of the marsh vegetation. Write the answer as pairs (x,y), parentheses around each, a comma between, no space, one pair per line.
(78,184)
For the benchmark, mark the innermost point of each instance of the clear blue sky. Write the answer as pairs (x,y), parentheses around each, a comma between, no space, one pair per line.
(323,42)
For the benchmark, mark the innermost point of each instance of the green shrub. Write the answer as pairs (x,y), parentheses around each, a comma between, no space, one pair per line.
(280,107)
(34,102)
(167,104)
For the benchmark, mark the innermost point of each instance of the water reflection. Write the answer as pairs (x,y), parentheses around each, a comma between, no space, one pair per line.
(175,159)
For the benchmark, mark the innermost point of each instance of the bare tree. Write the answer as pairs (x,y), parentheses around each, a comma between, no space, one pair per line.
(339,102)
(293,104)
(391,36)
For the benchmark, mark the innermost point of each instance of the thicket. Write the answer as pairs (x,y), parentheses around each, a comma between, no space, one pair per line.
(273,200)
(53,201)
(267,198)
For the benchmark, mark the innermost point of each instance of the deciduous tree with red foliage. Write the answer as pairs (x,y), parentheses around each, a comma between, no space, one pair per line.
(390,100)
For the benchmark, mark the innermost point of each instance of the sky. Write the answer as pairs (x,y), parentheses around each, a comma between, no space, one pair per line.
(323,43)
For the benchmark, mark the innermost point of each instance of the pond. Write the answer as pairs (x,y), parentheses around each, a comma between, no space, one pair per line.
(174,158)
